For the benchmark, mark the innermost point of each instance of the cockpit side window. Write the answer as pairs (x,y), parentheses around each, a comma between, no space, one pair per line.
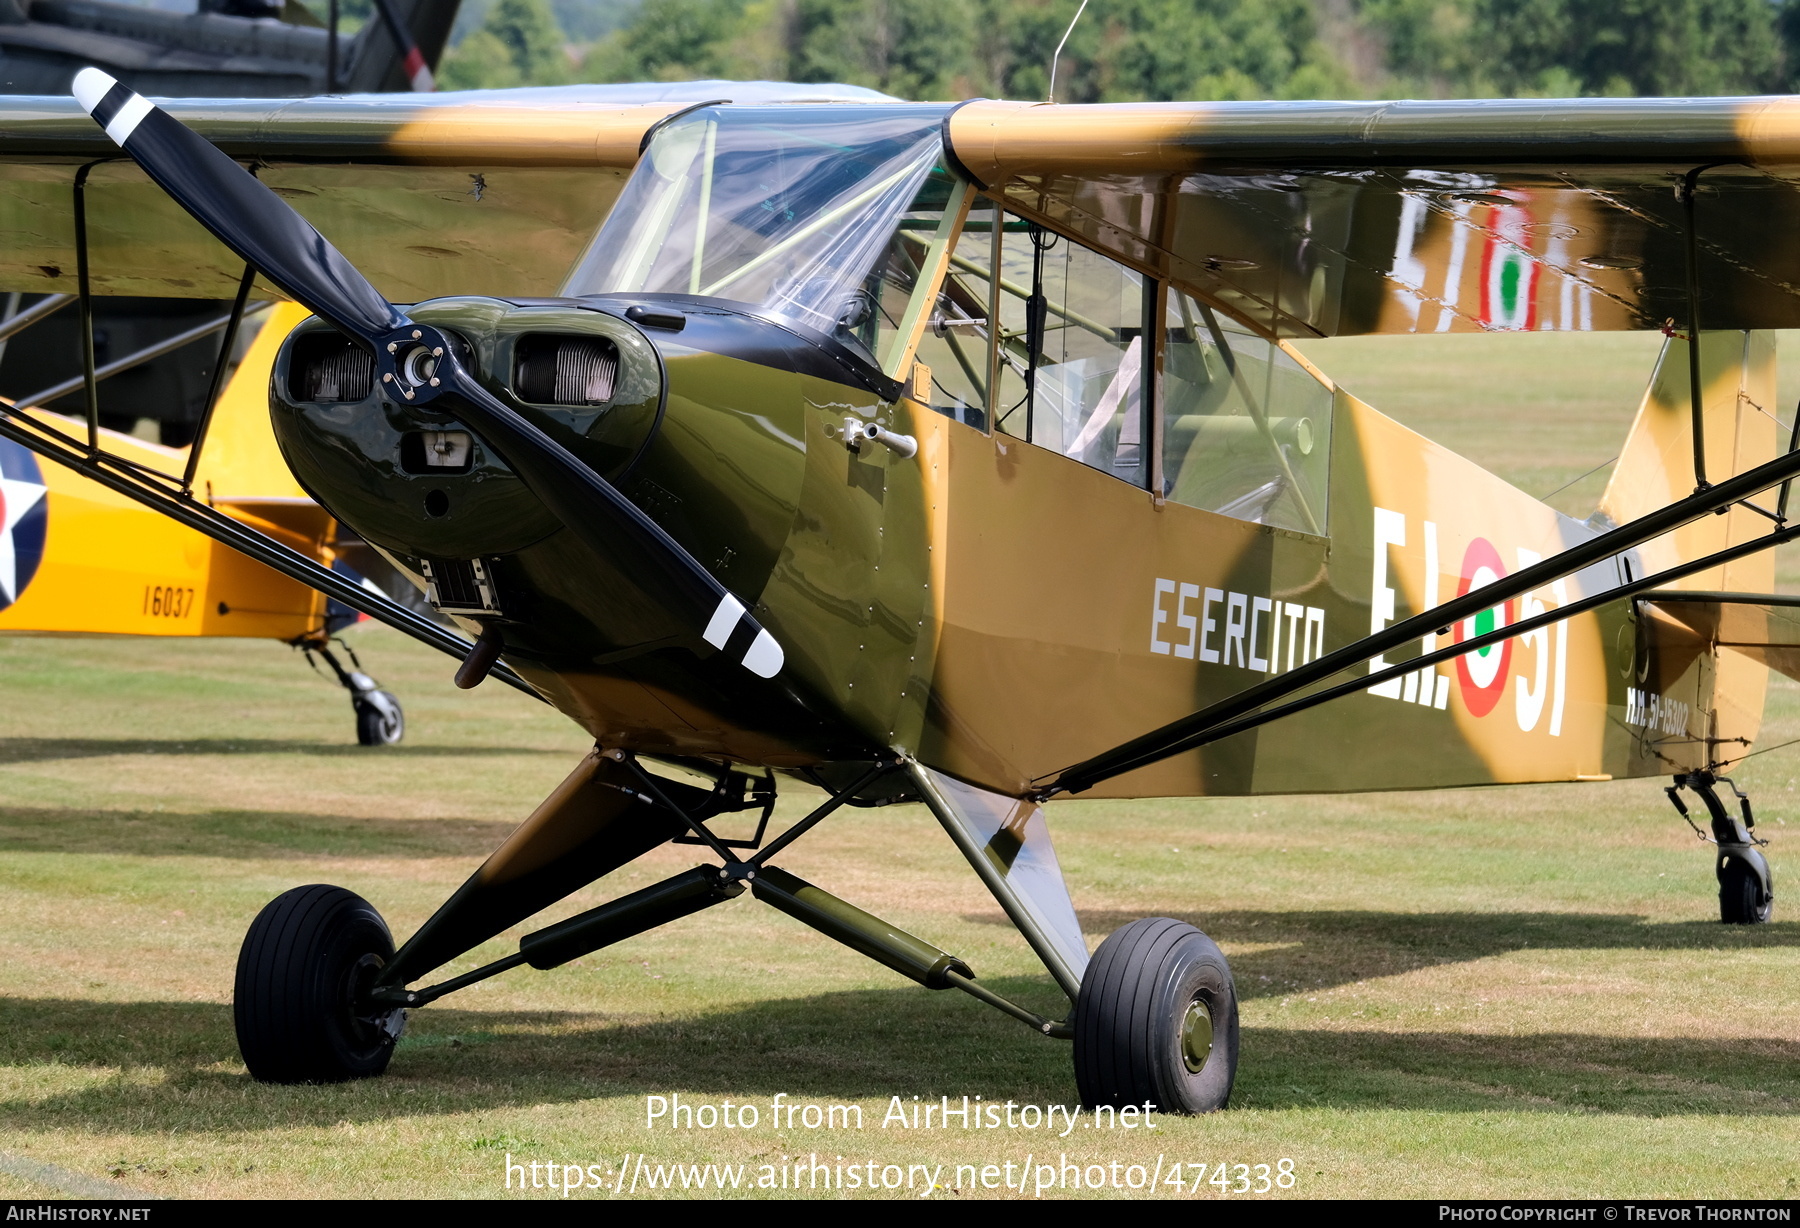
(1085,355)
(1072,352)
(1246,430)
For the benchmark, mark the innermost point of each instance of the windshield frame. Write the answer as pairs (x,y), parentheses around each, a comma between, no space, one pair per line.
(779,211)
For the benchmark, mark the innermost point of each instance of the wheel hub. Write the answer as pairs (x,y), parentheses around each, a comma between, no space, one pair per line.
(375,1023)
(1196,1036)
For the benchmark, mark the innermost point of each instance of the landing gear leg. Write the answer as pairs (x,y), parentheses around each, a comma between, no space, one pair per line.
(379,720)
(320,992)
(1746,886)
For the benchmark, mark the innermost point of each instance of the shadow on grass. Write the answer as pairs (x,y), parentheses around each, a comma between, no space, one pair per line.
(251,834)
(1316,949)
(844,1046)
(841,1046)
(37,750)
(1553,1072)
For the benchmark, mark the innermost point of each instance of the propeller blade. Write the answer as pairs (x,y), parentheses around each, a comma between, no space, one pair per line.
(418,364)
(240,211)
(575,494)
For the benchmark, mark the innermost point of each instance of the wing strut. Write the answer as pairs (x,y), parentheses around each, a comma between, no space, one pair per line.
(1690,187)
(1200,728)
(23,320)
(218,379)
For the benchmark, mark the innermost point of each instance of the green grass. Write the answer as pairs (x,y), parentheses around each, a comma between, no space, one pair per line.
(1491,992)
(1504,992)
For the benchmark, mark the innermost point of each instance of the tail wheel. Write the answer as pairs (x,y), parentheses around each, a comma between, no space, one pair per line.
(379,721)
(1157,1020)
(305,966)
(1742,900)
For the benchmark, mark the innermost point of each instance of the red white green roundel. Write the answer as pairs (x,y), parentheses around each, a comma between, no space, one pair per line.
(1509,275)
(1482,674)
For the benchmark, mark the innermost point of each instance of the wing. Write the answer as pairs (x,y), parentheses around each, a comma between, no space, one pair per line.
(475,193)
(1324,219)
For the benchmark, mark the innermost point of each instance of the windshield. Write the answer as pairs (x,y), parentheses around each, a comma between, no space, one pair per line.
(792,209)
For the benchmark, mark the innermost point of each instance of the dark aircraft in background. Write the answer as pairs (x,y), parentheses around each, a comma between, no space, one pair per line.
(229,49)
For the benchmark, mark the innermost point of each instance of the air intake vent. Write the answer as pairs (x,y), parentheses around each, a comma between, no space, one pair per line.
(551,370)
(328,366)
(459,586)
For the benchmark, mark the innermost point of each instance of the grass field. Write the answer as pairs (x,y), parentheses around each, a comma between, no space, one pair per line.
(1487,992)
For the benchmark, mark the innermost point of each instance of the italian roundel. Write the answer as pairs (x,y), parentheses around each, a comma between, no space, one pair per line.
(1482,674)
(24,516)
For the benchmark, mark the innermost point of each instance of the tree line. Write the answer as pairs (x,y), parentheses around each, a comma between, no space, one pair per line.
(1128,50)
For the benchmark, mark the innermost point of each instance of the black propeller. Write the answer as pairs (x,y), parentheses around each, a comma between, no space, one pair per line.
(419,366)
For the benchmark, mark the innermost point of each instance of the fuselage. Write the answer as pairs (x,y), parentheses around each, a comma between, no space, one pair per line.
(1183,507)
(991,606)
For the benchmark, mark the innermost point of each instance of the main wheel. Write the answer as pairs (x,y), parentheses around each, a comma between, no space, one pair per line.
(379,721)
(1157,1020)
(308,959)
(1741,898)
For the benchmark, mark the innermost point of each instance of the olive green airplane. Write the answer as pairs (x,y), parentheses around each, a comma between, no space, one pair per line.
(961,455)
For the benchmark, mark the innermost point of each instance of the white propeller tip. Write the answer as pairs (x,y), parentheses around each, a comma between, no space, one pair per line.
(765,656)
(89,87)
(724,621)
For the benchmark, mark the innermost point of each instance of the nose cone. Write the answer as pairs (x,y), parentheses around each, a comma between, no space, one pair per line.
(716,432)
(420,485)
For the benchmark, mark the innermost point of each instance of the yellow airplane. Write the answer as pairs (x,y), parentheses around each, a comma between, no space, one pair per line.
(960,455)
(77,558)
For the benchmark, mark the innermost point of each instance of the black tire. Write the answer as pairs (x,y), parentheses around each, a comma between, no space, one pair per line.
(306,959)
(1132,1042)
(379,723)
(1741,898)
